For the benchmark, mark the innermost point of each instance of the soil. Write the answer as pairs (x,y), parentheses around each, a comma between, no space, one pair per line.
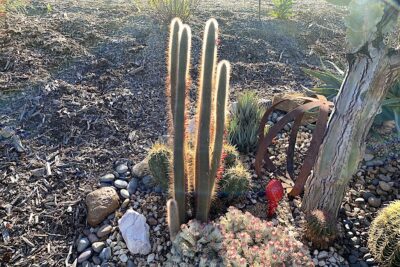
(82,84)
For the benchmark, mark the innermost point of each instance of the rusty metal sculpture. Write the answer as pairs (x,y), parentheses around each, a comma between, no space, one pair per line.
(297,115)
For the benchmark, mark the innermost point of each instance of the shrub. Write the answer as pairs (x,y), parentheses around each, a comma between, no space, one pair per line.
(166,10)
(283,9)
(197,244)
(231,156)
(235,182)
(320,229)
(159,164)
(245,120)
(250,241)
(384,236)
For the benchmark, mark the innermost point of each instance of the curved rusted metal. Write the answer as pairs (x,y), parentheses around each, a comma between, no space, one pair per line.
(297,114)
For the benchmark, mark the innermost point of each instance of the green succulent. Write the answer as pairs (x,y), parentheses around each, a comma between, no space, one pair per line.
(384,236)
(231,156)
(235,182)
(282,9)
(244,123)
(159,159)
(320,229)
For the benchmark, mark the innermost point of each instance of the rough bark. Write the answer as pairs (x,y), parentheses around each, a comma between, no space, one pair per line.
(370,75)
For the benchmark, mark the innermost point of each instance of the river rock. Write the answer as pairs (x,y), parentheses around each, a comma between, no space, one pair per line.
(101,203)
(132,186)
(124,193)
(84,255)
(135,232)
(374,202)
(82,244)
(98,246)
(105,254)
(121,184)
(385,186)
(108,178)
(122,168)
(104,230)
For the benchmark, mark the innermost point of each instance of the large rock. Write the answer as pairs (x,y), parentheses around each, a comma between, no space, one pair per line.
(101,203)
(141,169)
(135,232)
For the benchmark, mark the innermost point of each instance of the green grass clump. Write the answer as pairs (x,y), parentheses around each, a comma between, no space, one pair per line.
(245,121)
(384,236)
(283,9)
(166,10)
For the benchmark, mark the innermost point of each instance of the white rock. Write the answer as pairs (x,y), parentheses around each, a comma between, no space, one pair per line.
(135,232)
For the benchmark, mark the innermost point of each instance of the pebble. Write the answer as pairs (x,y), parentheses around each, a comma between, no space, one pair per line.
(352,259)
(131,264)
(132,186)
(368,157)
(150,258)
(385,186)
(125,204)
(96,260)
(122,168)
(105,254)
(121,184)
(84,255)
(123,258)
(108,178)
(374,202)
(104,230)
(323,255)
(124,193)
(98,246)
(92,238)
(360,200)
(83,243)
(152,221)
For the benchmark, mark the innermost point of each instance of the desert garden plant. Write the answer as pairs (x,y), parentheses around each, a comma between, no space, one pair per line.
(230,155)
(198,174)
(282,9)
(384,236)
(320,229)
(244,122)
(235,182)
(166,10)
(373,69)
(331,83)
(250,241)
(159,158)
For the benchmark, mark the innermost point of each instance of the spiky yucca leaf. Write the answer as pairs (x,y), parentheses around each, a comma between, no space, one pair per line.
(384,236)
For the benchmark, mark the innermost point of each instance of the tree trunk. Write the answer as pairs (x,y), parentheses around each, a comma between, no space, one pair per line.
(371,73)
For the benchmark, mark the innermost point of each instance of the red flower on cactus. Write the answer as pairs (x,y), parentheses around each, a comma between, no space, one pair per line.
(273,193)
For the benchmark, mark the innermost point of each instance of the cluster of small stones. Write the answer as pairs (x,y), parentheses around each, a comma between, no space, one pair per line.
(375,184)
(104,246)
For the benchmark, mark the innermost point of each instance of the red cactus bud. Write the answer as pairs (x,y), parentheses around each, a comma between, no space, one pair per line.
(273,193)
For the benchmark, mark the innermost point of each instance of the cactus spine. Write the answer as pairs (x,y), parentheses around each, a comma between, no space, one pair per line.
(213,92)
(159,164)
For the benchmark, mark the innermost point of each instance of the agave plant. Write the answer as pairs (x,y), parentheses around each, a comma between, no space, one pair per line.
(331,83)
(297,115)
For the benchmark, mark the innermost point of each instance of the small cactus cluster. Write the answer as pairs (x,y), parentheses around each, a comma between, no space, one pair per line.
(250,241)
(244,123)
(159,158)
(197,244)
(384,236)
(230,155)
(320,229)
(235,182)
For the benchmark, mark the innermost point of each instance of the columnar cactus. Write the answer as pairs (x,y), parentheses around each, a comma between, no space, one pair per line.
(211,112)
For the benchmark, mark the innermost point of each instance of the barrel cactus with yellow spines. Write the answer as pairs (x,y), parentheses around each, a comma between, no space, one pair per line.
(320,229)
(384,236)
(235,182)
(196,171)
(230,155)
(159,159)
